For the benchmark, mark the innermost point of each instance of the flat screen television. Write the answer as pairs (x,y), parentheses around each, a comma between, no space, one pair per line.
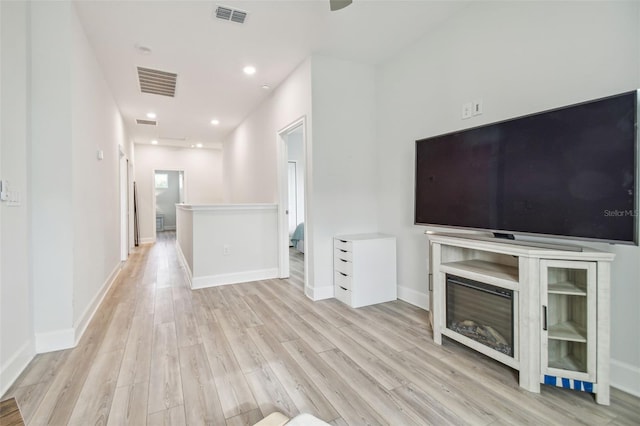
(570,172)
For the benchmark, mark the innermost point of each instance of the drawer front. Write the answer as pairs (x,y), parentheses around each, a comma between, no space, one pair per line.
(343,295)
(342,254)
(342,244)
(342,280)
(343,266)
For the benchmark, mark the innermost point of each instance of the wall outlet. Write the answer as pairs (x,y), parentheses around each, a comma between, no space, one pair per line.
(477,107)
(467,110)
(226,250)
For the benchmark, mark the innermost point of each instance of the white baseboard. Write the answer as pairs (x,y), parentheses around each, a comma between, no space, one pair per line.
(55,340)
(147,240)
(233,278)
(416,298)
(625,377)
(90,311)
(69,338)
(319,293)
(11,369)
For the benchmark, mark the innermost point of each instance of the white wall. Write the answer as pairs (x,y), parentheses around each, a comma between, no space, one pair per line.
(519,57)
(16,324)
(251,151)
(228,244)
(60,246)
(167,198)
(51,173)
(344,162)
(96,125)
(340,153)
(202,179)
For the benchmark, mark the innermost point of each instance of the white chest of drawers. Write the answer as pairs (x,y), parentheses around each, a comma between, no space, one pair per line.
(364,269)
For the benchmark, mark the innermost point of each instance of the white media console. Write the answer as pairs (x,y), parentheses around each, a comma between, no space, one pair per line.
(557,299)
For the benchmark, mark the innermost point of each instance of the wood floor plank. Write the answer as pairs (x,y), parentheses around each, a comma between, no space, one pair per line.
(269,393)
(118,330)
(165,382)
(201,401)
(163,312)
(233,390)
(187,330)
(346,400)
(249,418)
(245,351)
(305,395)
(129,405)
(136,362)
(270,319)
(378,397)
(10,413)
(94,401)
(386,376)
(173,416)
(59,401)
(302,328)
(391,339)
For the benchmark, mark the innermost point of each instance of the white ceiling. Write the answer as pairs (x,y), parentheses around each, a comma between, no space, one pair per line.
(208,54)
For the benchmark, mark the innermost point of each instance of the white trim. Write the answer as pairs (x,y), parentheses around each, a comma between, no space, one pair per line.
(92,308)
(625,377)
(416,298)
(185,264)
(169,228)
(55,340)
(227,207)
(16,364)
(147,240)
(319,293)
(233,278)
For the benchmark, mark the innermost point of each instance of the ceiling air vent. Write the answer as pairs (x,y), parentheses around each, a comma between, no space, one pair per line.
(157,82)
(229,14)
(147,122)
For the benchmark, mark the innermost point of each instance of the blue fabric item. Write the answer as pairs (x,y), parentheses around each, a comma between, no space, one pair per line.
(298,234)
(577,384)
(566,383)
(588,387)
(549,380)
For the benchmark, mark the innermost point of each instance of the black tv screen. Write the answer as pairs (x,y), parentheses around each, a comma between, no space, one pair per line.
(569,172)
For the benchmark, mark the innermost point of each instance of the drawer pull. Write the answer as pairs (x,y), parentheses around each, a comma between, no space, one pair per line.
(344,251)
(343,241)
(343,274)
(343,288)
(343,260)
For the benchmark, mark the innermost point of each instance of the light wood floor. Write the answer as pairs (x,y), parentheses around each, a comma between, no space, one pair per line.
(158,353)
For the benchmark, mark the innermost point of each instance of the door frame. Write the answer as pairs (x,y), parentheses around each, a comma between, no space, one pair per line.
(283,189)
(153,194)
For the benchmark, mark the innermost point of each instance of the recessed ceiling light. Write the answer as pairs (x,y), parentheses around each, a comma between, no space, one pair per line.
(193,146)
(266,87)
(249,70)
(143,50)
(154,142)
(215,122)
(151,115)
(198,145)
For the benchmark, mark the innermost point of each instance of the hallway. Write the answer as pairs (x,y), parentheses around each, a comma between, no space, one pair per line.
(158,353)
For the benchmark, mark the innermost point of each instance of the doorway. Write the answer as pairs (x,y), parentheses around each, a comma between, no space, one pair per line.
(169,190)
(293,201)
